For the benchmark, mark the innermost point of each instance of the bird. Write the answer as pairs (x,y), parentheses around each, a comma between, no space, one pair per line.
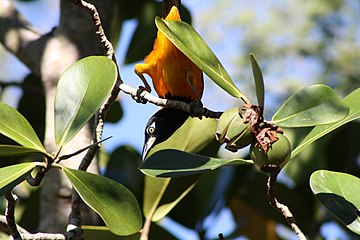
(174,76)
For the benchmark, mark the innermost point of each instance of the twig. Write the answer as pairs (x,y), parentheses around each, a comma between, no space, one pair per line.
(10,215)
(282,208)
(5,229)
(75,215)
(192,109)
(28,236)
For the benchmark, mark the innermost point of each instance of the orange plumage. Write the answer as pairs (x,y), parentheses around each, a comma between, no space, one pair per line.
(173,75)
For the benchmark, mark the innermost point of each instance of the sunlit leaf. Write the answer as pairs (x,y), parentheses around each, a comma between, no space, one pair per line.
(13,150)
(311,106)
(13,175)
(16,127)
(353,102)
(174,163)
(81,90)
(339,192)
(187,40)
(259,81)
(116,205)
(162,194)
(192,136)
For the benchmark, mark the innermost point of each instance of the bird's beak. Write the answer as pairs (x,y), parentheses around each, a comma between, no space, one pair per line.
(147,146)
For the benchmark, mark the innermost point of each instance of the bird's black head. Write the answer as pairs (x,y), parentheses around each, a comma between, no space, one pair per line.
(161,126)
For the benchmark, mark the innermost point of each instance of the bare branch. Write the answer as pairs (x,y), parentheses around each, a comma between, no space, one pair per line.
(282,208)
(4,226)
(193,110)
(25,235)
(10,215)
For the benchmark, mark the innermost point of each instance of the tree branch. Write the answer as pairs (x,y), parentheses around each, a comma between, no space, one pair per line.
(193,110)
(10,215)
(16,34)
(282,208)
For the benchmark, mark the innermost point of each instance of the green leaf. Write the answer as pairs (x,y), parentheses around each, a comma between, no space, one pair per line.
(193,136)
(12,150)
(161,195)
(311,106)
(102,232)
(13,175)
(15,126)
(115,113)
(339,192)
(174,163)
(353,102)
(116,205)
(259,81)
(188,41)
(81,90)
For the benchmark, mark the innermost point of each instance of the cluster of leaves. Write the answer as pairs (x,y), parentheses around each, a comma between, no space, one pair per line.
(78,97)
(173,167)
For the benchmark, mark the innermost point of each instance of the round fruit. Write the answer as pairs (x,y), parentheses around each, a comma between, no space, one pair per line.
(278,154)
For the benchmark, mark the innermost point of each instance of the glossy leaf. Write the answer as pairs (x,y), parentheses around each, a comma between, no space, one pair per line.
(13,150)
(339,192)
(259,81)
(353,102)
(192,136)
(14,126)
(13,175)
(162,194)
(81,90)
(102,232)
(174,163)
(188,41)
(116,205)
(311,106)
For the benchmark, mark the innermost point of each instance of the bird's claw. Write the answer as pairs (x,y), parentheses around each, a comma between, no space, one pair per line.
(138,98)
(196,109)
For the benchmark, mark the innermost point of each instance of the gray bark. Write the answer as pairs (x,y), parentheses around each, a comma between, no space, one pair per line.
(48,56)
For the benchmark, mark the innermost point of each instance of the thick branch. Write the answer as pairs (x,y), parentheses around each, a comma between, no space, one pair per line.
(16,34)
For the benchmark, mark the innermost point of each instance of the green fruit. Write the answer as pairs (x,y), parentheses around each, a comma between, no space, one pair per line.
(278,154)
(224,122)
(242,140)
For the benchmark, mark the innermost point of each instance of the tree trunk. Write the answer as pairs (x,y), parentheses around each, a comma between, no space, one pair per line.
(48,56)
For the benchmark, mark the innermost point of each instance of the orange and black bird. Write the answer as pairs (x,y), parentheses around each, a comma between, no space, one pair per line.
(175,77)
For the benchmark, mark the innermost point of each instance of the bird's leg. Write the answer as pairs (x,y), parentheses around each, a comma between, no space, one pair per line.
(147,87)
(191,83)
(194,106)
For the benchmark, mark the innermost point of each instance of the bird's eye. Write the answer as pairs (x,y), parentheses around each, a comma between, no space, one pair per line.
(150,130)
